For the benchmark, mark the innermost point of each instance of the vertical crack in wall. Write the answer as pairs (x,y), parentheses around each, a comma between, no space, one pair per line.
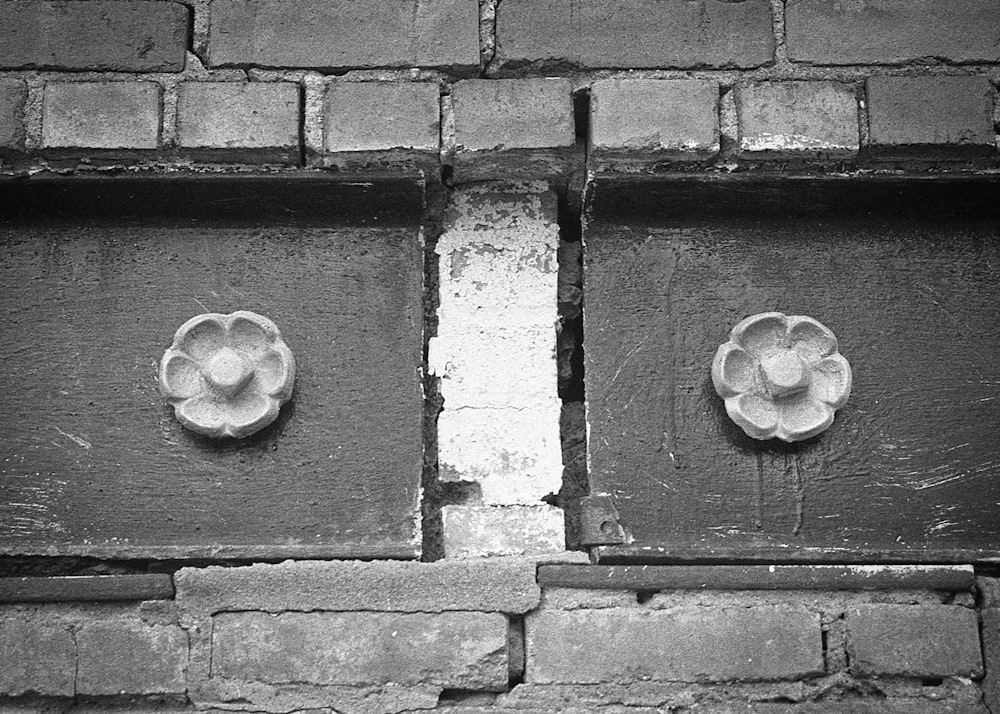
(432,547)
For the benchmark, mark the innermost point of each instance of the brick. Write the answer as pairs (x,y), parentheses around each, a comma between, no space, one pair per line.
(914,640)
(490,585)
(635,33)
(891,31)
(376,116)
(131,657)
(646,121)
(500,424)
(101,115)
(990,620)
(472,531)
(797,119)
(38,654)
(13,93)
(330,34)
(513,113)
(132,36)
(262,117)
(512,128)
(466,650)
(930,115)
(681,644)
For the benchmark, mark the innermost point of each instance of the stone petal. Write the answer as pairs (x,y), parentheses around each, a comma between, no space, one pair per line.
(202,336)
(180,377)
(756,415)
(831,381)
(250,412)
(203,415)
(275,372)
(802,417)
(759,333)
(810,339)
(251,334)
(733,370)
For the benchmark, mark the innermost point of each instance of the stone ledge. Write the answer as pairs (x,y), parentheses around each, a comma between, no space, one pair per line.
(483,585)
(949,578)
(88,588)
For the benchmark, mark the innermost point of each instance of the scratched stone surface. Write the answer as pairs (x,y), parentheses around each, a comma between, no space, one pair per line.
(908,278)
(96,277)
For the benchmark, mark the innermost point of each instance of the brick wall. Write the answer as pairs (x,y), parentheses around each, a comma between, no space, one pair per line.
(504,110)
(508,634)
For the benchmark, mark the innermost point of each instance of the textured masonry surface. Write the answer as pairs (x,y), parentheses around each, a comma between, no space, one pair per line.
(102,115)
(484,93)
(638,33)
(344,33)
(127,36)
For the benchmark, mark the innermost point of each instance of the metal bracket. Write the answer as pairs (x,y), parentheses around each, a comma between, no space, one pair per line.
(599,521)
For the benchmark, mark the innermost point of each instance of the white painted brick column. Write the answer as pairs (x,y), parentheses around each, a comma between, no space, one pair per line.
(495,355)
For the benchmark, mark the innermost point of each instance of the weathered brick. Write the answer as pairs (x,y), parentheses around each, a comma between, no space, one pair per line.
(345,33)
(465,650)
(644,121)
(914,640)
(38,654)
(513,113)
(490,585)
(131,657)
(990,621)
(13,92)
(132,36)
(375,116)
(520,128)
(635,33)
(472,531)
(500,424)
(891,31)
(101,115)
(682,644)
(248,120)
(797,119)
(930,115)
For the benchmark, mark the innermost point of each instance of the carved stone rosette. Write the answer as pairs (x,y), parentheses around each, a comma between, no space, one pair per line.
(781,376)
(227,375)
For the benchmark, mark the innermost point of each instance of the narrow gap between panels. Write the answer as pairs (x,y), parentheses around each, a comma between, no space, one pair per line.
(570,330)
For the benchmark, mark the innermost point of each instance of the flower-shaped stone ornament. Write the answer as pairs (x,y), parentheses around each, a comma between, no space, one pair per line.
(227,375)
(781,376)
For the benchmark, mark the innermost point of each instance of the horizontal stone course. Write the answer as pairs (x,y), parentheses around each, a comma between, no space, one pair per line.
(13,93)
(914,640)
(127,36)
(644,121)
(891,31)
(797,119)
(345,33)
(949,578)
(681,644)
(466,650)
(101,115)
(913,116)
(635,33)
(488,585)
